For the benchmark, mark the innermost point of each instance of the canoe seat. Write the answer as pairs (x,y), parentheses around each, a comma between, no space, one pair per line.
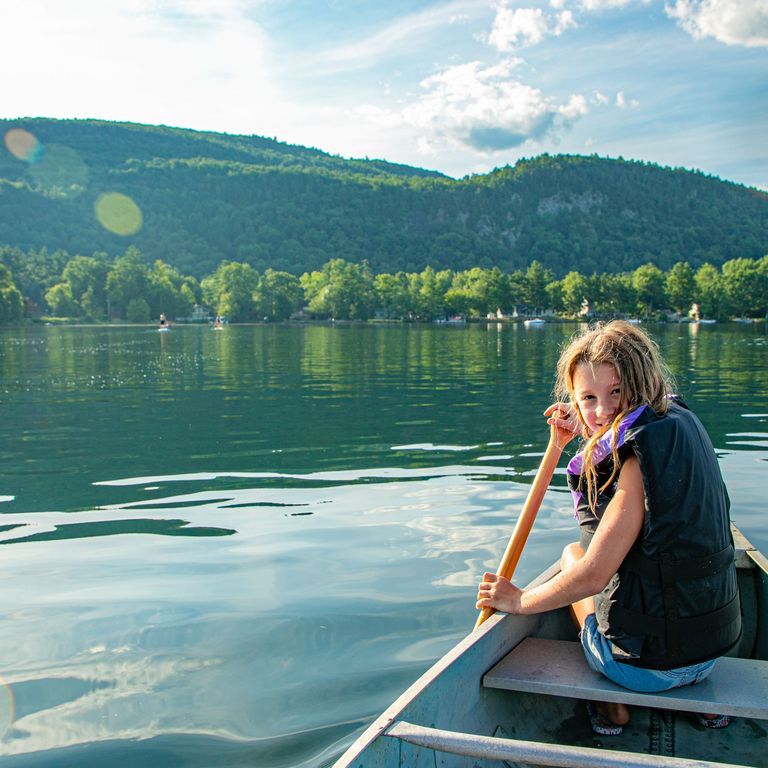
(737,687)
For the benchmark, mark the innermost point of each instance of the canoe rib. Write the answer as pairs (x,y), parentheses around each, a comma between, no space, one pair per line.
(536,752)
(736,687)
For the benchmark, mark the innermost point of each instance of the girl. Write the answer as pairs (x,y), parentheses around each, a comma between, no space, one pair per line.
(652,582)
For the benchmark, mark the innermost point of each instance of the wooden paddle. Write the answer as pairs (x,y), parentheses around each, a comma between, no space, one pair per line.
(530,509)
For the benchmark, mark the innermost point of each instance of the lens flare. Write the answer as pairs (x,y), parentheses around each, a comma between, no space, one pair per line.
(7,709)
(23,145)
(118,213)
(60,173)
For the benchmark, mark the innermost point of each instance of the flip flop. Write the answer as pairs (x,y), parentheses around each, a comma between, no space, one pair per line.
(601,725)
(719,721)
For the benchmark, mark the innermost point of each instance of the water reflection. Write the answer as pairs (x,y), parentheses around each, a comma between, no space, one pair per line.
(214,531)
(160,642)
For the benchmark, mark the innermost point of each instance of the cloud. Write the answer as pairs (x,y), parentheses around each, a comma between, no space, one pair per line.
(733,22)
(523,25)
(623,103)
(526,26)
(368,50)
(599,5)
(486,110)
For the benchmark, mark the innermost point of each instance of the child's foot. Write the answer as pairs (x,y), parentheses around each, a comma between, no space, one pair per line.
(713,721)
(607,719)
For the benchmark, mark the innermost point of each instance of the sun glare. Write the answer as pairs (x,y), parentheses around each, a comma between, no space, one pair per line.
(23,145)
(118,213)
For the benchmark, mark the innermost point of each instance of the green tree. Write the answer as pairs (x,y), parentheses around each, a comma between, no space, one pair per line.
(536,280)
(61,302)
(648,281)
(188,297)
(278,295)
(517,289)
(458,301)
(616,294)
(708,292)
(87,279)
(476,291)
(393,294)
(230,290)
(341,290)
(11,300)
(574,291)
(169,291)
(428,289)
(127,280)
(744,286)
(492,290)
(555,295)
(762,268)
(679,286)
(137,311)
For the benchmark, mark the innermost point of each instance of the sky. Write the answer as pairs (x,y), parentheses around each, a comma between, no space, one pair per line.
(456,86)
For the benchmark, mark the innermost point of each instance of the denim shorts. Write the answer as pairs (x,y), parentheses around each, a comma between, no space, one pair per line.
(598,652)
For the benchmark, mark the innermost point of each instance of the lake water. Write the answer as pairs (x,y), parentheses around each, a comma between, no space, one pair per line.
(236,548)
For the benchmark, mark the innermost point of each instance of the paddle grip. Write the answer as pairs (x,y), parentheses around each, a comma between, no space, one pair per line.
(530,509)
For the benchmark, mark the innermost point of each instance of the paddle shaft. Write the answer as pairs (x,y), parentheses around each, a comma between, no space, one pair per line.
(528,515)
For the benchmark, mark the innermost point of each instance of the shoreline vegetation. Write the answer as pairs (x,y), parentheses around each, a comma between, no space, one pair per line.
(104,220)
(38,286)
(65,322)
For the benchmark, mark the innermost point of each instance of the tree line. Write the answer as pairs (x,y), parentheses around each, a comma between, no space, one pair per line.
(131,288)
(208,197)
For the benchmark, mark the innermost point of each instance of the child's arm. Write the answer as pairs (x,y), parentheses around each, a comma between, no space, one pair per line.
(618,529)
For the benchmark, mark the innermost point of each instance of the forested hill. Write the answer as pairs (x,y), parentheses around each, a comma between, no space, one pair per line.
(207,197)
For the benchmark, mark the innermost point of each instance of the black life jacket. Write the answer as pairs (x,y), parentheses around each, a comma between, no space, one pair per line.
(675,599)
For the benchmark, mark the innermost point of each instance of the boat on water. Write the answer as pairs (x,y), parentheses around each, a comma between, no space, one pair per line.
(513,693)
(534,321)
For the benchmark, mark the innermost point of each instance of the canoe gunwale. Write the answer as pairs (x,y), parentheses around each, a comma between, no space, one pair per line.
(487,634)
(538,753)
(468,661)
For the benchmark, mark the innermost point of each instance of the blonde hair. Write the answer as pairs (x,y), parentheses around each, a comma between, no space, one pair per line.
(643,379)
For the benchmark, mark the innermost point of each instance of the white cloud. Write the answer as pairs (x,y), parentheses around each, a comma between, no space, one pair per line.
(526,26)
(563,21)
(623,103)
(599,5)
(486,110)
(367,51)
(733,22)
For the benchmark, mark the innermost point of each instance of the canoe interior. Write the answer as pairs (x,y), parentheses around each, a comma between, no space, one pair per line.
(450,696)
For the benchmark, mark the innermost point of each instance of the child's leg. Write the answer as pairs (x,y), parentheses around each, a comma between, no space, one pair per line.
(618,714)
(580,610)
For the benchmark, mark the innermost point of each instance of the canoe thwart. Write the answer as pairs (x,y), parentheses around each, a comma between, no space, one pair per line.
(536,752)
(737,687)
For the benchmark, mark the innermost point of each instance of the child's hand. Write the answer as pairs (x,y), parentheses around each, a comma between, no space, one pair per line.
(564,418)
(499,593)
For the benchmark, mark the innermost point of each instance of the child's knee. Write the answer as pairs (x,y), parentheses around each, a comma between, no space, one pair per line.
(571,554)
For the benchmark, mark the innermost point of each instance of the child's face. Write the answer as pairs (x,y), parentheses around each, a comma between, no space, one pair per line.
(597,394)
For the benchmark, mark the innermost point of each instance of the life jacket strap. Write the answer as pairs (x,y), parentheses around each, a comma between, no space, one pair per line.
(678,570)
(636,623)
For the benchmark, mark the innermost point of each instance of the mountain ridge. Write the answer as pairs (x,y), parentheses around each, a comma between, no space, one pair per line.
(206,197)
